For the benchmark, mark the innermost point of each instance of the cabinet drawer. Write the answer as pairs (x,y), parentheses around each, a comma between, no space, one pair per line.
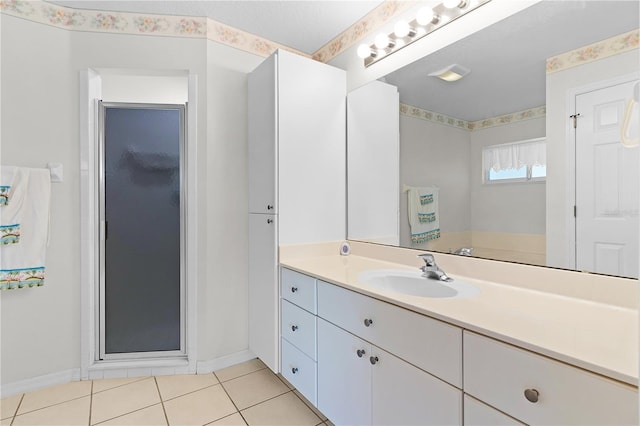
(499,374)
(298,289)
(429,344)
(299,328)
(299,370)
(478,414)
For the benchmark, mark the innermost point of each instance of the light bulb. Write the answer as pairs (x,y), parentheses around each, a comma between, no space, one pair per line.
(427,16)
(364,51)
(402,29)
(382,41)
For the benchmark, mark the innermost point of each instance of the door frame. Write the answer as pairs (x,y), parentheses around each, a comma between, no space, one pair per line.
(101,341)
(90,366)
(570,138)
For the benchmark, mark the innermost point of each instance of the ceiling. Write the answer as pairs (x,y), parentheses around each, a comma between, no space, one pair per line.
(305,25)
(508,59)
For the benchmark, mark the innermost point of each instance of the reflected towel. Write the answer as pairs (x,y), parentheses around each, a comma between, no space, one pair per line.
(22,264)
(423,214)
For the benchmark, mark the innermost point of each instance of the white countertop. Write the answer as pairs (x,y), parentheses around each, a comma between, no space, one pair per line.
(598,337)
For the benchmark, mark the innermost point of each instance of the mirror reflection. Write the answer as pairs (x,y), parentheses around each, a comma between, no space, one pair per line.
(491,164)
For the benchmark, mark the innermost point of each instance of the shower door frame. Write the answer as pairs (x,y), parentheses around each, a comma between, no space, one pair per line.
(100,294)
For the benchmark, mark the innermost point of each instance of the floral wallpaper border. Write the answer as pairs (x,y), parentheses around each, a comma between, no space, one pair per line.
(602,49)
(501,120)
(140,24)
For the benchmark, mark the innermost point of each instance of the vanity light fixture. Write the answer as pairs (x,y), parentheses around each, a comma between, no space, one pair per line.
(427,20)
(451,73)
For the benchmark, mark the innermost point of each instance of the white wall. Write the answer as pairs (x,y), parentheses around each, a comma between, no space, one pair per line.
(40,326)
(559,166)
(435,155)
(40,67)
(506,207)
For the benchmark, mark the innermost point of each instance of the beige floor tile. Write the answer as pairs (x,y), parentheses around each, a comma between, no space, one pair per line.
(103,385)
(8,406)
(198,408)
(173,386)
(123,400)
(240,370)
(6,422)
(75,412)
(232,420)
(150,416)
(286,382)
(54,395)
(286,409)
(254,388)
(328,423)
(310,405)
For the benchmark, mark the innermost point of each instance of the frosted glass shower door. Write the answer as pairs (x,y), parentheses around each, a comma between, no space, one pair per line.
(142,285)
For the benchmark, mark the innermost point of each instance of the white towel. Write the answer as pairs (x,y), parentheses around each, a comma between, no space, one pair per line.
(22,264)
(424,217)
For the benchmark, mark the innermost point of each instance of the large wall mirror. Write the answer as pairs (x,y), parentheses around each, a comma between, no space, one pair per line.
(491,164)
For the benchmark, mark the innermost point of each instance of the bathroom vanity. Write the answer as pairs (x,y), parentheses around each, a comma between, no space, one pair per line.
(506,355)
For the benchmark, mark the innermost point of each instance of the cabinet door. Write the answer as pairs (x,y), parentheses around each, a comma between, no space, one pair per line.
(344,378)
(262,111)
(263,289)
(406,395)
(311,150)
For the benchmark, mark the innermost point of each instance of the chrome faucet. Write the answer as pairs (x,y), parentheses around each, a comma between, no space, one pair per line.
(464,251)
(431,270)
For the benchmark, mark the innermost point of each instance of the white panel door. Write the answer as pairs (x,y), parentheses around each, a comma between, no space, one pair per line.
(373,151)
(406,395)
(262,133)
(344,376)
(263,289)
(606,185)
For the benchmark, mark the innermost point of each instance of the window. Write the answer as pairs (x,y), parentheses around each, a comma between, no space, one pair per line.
(523,161)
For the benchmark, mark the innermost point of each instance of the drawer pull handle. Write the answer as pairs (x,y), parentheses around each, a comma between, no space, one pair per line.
(531,395)
(368,322)
(269,220)
(294,289)
(360,353)
(294,327)
(373,360)
(294,370)
(269,207)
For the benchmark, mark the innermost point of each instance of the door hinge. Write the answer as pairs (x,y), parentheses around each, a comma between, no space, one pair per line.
(575,211)
(575,120)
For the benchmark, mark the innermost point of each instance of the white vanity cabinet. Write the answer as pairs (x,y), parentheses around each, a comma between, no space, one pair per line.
(365,383)
(540,391)
(297,168)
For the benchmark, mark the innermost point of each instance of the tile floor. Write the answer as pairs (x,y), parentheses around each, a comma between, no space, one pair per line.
(244,394)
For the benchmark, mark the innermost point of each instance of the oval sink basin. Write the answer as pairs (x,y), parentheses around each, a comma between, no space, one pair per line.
(414,284)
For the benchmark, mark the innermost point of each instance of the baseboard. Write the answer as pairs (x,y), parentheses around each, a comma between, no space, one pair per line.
(62,377)
(209,366)
(39,382)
